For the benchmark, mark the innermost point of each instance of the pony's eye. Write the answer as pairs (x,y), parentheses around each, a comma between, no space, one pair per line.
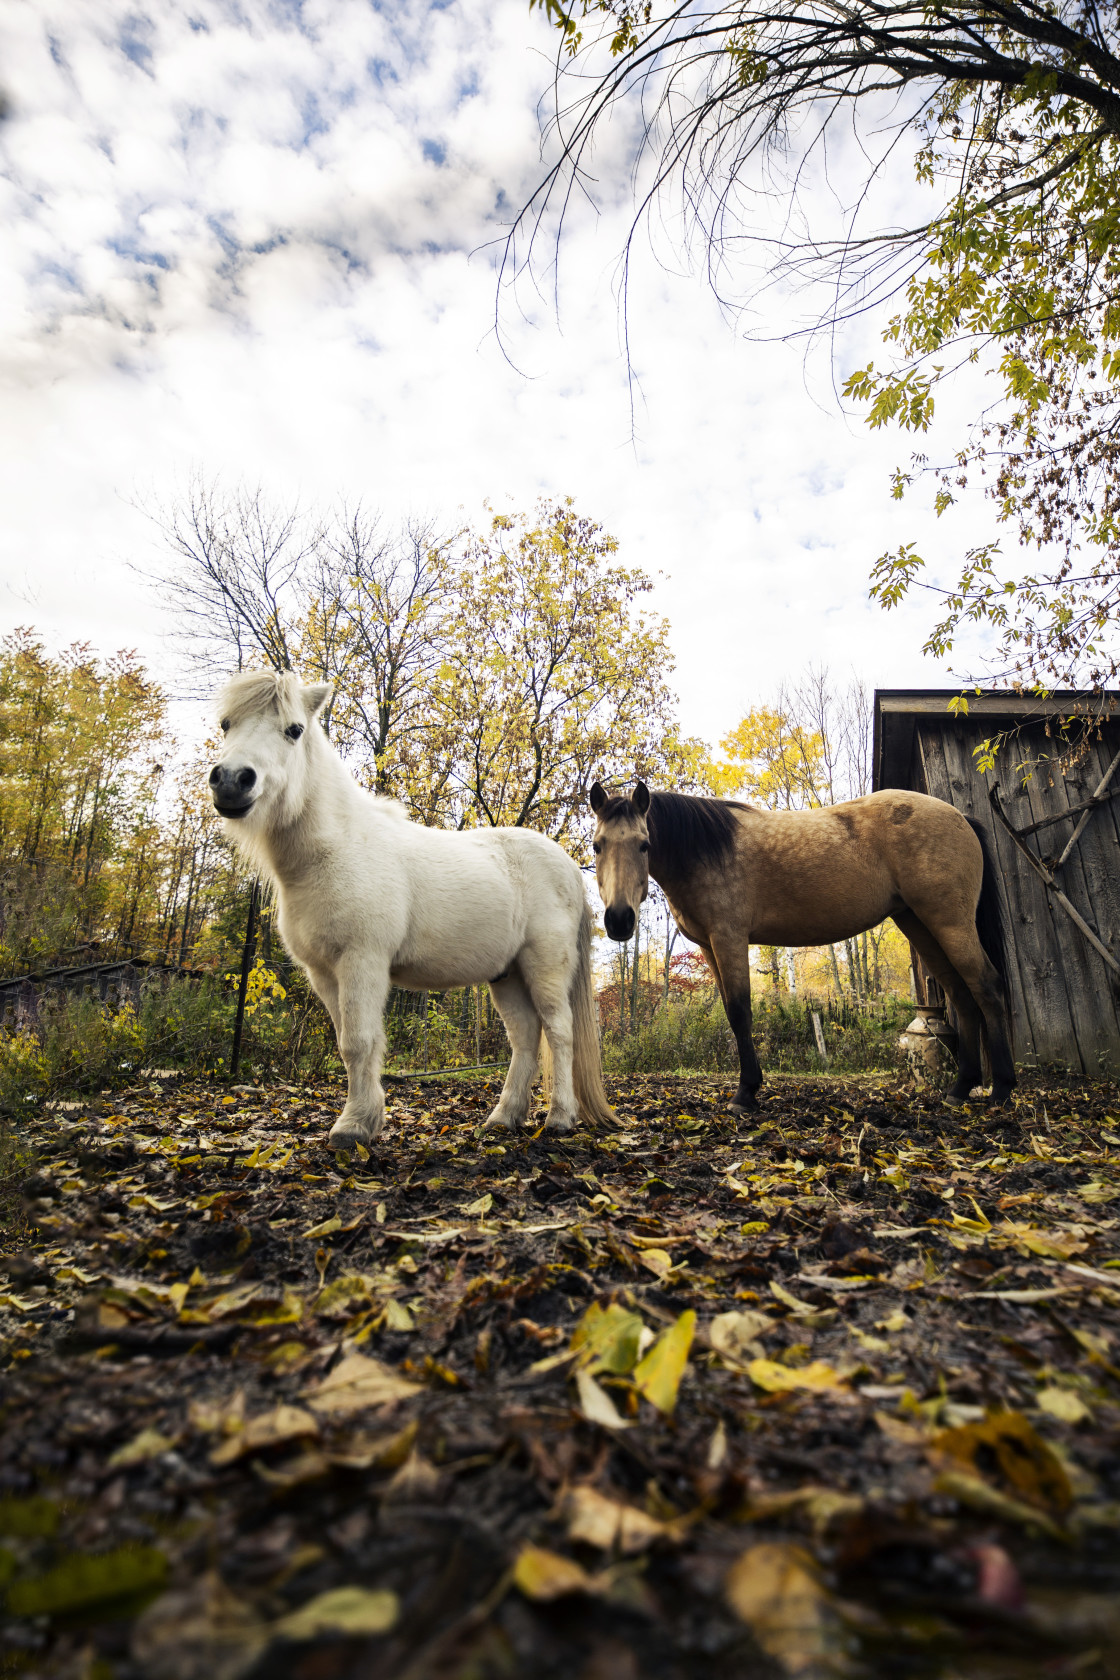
(294,731)
(225,725)
(644,847)
(596,848)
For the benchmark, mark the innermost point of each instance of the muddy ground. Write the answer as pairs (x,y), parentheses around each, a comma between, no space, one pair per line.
(834,1392)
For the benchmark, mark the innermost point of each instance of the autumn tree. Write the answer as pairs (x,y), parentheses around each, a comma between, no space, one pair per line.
(1013,110)
(554,674)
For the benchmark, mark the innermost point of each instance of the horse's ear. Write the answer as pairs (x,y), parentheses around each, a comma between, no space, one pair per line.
(317,696)
(597,797)
(640,798)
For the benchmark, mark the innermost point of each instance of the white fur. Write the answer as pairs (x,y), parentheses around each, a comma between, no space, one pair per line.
(367,899)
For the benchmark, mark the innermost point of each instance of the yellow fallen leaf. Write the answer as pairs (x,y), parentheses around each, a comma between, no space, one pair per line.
(658,1375)
(1016,1453)
(358,1382)
(545,1575)
(148,1444)
(610,1524)
(267,1429)
(821,1505)
(776,1590)
(608,1338)
(1063,1404)
(325,1229)
(480,1207)
(397,1316)
(344,1610)
(377,1452)
(979,1495)
(897,1320)
(657,1260)
(778,1379)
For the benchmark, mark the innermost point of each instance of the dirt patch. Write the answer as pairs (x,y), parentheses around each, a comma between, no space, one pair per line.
(835,1391)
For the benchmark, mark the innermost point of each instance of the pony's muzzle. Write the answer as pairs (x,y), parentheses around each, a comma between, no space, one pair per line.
(232,790)
(619,922)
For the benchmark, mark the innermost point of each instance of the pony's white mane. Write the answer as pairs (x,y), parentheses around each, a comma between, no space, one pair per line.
(253,693)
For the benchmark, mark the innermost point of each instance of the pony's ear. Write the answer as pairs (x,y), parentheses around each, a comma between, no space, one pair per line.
(640,798)
(597,797)
(316,696)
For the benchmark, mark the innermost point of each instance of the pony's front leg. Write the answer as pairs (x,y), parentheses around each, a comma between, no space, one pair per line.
(523,1029)
(731,966)
(362,992)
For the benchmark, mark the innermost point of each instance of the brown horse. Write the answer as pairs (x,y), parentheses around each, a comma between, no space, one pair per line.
(735,876)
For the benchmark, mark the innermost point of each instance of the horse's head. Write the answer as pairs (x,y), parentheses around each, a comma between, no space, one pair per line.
(265,763)
(621,848)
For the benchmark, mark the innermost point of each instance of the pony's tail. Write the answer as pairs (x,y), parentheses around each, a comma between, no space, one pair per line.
(989,910)
(587,1065)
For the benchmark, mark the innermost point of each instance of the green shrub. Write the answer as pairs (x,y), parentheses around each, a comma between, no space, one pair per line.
(693,1035)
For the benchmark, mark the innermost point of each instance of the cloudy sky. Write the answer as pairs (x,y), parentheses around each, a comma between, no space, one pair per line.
(258,241)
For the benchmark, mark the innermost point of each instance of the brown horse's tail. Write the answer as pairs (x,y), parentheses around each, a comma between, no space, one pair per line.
(989,910)
(587,1066)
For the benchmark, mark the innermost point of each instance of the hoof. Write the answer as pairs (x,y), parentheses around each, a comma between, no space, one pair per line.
(740,1106)
(560,1124)
(498,1123)
(344,1134)
(952,1101)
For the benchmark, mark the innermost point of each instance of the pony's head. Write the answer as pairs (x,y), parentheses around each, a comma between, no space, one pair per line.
(263,774)
(621,847)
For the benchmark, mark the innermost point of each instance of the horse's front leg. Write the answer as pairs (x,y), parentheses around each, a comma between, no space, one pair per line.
(523,1029)
(363,988)
(731,968)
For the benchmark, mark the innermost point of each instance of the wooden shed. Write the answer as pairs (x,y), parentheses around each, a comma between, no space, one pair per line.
(1055,839)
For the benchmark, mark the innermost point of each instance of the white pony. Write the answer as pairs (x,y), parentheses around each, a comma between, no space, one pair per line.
(368,899)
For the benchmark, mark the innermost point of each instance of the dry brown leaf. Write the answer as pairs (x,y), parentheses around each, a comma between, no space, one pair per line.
(734,1336)
(267,1429)
(357,1382)
(544,1575)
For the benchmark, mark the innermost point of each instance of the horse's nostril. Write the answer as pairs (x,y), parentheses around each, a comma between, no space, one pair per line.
(246,778)
(215,775)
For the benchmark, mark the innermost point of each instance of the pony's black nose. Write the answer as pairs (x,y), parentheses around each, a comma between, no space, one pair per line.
(619,922)
(242,781)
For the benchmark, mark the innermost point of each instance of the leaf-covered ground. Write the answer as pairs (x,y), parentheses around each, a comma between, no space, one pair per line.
(835,1393)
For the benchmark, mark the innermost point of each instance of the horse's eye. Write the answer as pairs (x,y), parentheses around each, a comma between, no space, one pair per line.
(596,848)
(294,731)
(644,847)
(225,725)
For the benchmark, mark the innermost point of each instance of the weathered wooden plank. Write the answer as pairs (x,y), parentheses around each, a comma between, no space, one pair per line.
(1098,851)
(1042,1022)
(1087,977)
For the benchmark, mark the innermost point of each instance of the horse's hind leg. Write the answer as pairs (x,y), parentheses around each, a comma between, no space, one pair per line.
(929,948)
(731,967)
(961,945)
(523,1029)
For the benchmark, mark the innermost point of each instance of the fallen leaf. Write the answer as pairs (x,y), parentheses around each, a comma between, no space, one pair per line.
(658,1375)
(656,1260)
(595,1403)
(608,1338)
(778,1379)
(81,1580)
(821,1505)
(478,1209)
(344,1611)
(358,1382)
(1030,1468)
(377,1452)
(267,1429)
(734,1336)
(1063,1404)
(610,1524)
(545,1575)
(326,1228)
(979,1495)
(415,1480)
(202,1632)
(148,1444)
(776,1590)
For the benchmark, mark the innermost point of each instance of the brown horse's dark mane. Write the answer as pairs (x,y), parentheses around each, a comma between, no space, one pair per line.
(684,832)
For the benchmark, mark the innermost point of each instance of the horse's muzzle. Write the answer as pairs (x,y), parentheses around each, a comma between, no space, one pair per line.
(619,922)
(231,790)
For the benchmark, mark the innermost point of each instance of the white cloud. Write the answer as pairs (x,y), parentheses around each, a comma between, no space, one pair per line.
(257,240)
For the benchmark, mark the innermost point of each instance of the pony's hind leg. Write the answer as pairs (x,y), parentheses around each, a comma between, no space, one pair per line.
(362,992)
(550,986)
(963,949)
(933,954)
(523,1029)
